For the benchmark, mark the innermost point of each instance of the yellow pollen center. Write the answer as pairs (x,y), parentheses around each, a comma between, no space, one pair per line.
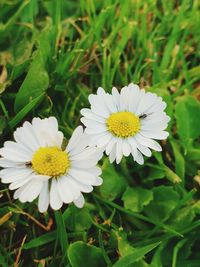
(123,124)
(50,161)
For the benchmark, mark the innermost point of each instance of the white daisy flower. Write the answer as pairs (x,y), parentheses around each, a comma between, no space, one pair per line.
(126,123)
(36,165)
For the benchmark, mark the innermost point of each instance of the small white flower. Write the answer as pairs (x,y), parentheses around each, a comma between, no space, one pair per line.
(126,123)
(36,165)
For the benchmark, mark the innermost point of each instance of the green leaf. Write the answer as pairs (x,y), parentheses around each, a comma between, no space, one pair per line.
(114,183)
(61,232)
(137,255)
(179,160)
(165,200)
(124,246)
(182,218)
(136,198)
(81,254)
(2,124)
(155,173)
(41,240)
(77,219)
(24,111)
(187,112)
(37,79)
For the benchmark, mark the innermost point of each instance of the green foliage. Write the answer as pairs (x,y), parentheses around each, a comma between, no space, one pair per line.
(187,116)
(81,255)
(53,54)
(135,256)
(114,183)
(136,198)
(164,201)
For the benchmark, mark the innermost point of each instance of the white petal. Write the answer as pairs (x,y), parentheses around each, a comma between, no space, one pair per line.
(5,163)
(79,202)
(126,149)
(107,99)
(85,164)
(104,140)
(80,145)
(91,123)
(101,128)
(82,176)
(146,102)
(30,191)
(82,187)
(144,150)
(96,171)
(116,97)
(87,113)
(133,97)
(15,155)
(119,152)
(19,183)
(87,152)
(153,124)
(135,153)
(55,200)
(26,136)
(110,145)
(64,190)
(18,147)
(124,98)
(98,181)
(160,135)
(158,106)
(112,155)
(139,158)
(77,134)
(98,106)
(43,201)
(75,190)
(10,175)
(46,132)
(148,142)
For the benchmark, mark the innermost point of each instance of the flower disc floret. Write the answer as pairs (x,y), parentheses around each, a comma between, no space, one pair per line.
(50,161)
(123,124)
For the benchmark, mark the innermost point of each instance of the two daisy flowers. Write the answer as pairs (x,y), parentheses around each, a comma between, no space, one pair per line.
(37,166)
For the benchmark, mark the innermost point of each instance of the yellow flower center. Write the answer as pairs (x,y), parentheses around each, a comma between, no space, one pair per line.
(50,161)
(123,124)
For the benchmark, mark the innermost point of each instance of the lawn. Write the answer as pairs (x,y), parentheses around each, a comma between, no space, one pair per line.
(53,55)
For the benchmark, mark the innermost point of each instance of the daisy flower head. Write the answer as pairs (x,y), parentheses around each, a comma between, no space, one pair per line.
(126,123)
(36,165)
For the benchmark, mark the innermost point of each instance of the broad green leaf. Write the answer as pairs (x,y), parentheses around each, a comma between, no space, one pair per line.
(187,112)
(77,219)
(165,200)
(114,183)
(155,173)
(182,218)
(137,255)
(35,83)
(136,198)
(81,254)
(37,79)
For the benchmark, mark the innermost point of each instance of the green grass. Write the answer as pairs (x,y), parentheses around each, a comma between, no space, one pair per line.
(53,54)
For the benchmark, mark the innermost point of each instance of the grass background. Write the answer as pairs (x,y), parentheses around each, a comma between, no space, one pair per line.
(53,54)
